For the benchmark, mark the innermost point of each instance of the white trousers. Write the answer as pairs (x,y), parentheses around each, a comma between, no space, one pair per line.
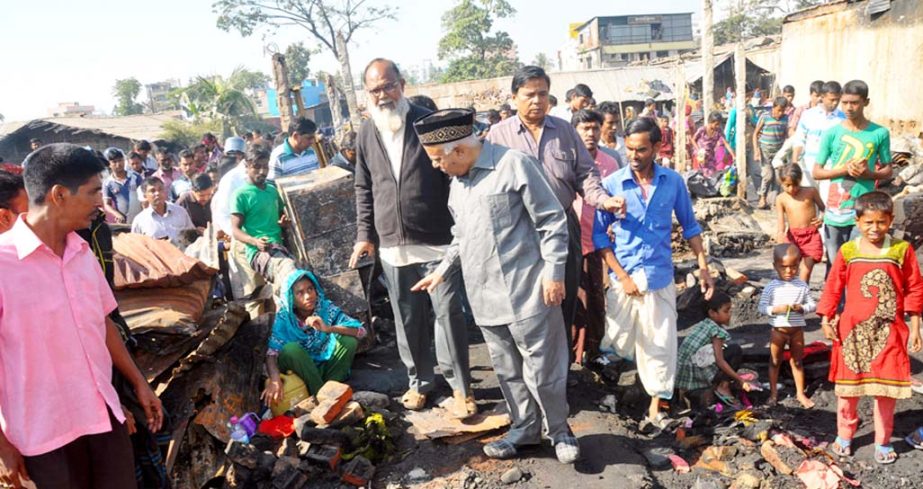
(644,329)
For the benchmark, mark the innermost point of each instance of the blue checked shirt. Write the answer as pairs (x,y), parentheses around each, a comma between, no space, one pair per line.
(642,237)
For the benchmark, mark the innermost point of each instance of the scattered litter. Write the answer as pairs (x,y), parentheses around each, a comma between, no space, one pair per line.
(658,457)
(679,464)
(818,475)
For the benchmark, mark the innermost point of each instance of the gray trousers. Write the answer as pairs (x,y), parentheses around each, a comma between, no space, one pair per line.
(413,320)
(530,360)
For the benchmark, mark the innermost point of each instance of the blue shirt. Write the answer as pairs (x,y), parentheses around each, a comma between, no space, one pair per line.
(642,237)
(285,162)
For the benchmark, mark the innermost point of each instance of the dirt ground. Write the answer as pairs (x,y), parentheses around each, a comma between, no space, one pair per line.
(611,445)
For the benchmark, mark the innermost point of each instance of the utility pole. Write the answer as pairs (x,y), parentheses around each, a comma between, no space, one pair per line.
(283,92)
(708,62)
(334,100)
(740,77)
(679,142)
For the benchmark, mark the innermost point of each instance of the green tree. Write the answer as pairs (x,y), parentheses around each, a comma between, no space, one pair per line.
(244,79)
(220,98)
(297,60)
(755,18)
(468,46)
(543,61)
(332,22)
(126,91)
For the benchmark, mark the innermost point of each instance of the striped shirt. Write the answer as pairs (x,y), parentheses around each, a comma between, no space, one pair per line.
(284,162)
(782,293)
(772,135)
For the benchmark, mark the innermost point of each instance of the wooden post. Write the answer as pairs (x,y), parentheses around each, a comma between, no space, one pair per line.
(740,76)
(347,75)
(283,97)
(334,100)
(708,62)
(679,139)
(299,102)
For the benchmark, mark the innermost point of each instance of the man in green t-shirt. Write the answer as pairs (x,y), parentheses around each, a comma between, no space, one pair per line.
(257,218)
(853,155)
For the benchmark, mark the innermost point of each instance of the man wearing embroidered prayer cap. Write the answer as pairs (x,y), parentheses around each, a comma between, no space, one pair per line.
(510,239)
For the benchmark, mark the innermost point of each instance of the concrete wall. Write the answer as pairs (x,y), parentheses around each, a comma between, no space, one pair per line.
(841,42)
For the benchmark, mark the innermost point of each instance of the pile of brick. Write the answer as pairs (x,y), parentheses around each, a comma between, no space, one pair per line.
(330,443)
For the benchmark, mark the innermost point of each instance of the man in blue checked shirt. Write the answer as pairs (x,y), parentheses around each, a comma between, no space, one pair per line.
(641,303)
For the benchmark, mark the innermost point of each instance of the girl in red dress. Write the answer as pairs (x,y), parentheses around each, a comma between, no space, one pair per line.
(881,279)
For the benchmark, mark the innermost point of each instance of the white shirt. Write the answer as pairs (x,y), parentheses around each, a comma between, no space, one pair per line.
(221,202)
(562,111)
(169,225)
(399,256)
(394,146)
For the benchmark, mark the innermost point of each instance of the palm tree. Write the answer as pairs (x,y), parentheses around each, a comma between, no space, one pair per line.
(220,98)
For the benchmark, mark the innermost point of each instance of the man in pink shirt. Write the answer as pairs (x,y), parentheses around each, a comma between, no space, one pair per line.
(591,307)
(61,424)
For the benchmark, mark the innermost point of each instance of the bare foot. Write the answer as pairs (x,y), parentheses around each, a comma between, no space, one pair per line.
(773,400)
(805,401)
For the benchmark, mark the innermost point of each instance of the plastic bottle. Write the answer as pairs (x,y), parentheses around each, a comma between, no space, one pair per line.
(238,433)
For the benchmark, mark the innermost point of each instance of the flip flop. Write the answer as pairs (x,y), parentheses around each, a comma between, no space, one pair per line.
(729,401)
(885,454)
(841,447)
(915,439)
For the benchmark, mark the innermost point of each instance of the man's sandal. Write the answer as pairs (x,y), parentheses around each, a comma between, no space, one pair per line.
(413,400)
(841,447)
(885,454)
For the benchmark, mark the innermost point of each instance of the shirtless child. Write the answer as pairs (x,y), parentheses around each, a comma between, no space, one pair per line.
(803,208)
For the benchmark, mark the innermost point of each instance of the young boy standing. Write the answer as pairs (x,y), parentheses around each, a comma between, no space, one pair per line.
(666,147)
(187,173)
(800,206)
(881,280)
(786,300)
(257,217)
(768,137)
(121,188)
(853,155)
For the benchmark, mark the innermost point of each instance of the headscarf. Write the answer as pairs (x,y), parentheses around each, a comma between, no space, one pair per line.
(287,328)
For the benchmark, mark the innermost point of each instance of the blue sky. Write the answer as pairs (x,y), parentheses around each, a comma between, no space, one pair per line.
(72,51)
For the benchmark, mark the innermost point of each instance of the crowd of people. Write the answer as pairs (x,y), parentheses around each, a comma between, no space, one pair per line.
(551,226)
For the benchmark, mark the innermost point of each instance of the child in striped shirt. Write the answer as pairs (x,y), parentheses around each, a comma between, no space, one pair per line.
(768,138)
(786,300)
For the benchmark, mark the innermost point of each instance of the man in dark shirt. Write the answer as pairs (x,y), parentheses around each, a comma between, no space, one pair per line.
(567,163)
(197,201)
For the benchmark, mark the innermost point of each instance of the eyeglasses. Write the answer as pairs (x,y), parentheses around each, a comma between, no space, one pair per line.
(387,87)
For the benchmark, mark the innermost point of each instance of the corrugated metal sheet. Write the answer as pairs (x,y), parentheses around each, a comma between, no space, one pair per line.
(878,6)
(133,127)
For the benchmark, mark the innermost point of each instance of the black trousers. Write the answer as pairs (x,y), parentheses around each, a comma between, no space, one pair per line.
(101,461)
(571,276)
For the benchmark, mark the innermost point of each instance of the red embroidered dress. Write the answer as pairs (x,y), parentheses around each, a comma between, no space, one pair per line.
(871,358)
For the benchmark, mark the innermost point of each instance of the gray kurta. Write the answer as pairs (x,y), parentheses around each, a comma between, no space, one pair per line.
(510,232)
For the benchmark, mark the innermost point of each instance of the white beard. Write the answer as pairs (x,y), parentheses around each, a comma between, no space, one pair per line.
(390,120)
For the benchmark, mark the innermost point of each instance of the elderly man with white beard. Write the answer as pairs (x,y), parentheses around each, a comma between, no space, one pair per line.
(402,210)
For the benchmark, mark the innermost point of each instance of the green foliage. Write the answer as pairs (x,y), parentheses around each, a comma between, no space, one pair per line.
(217,98)
(542,61)
(472,52)
(755,18)
(126,91)
(187,134)
(297,60)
